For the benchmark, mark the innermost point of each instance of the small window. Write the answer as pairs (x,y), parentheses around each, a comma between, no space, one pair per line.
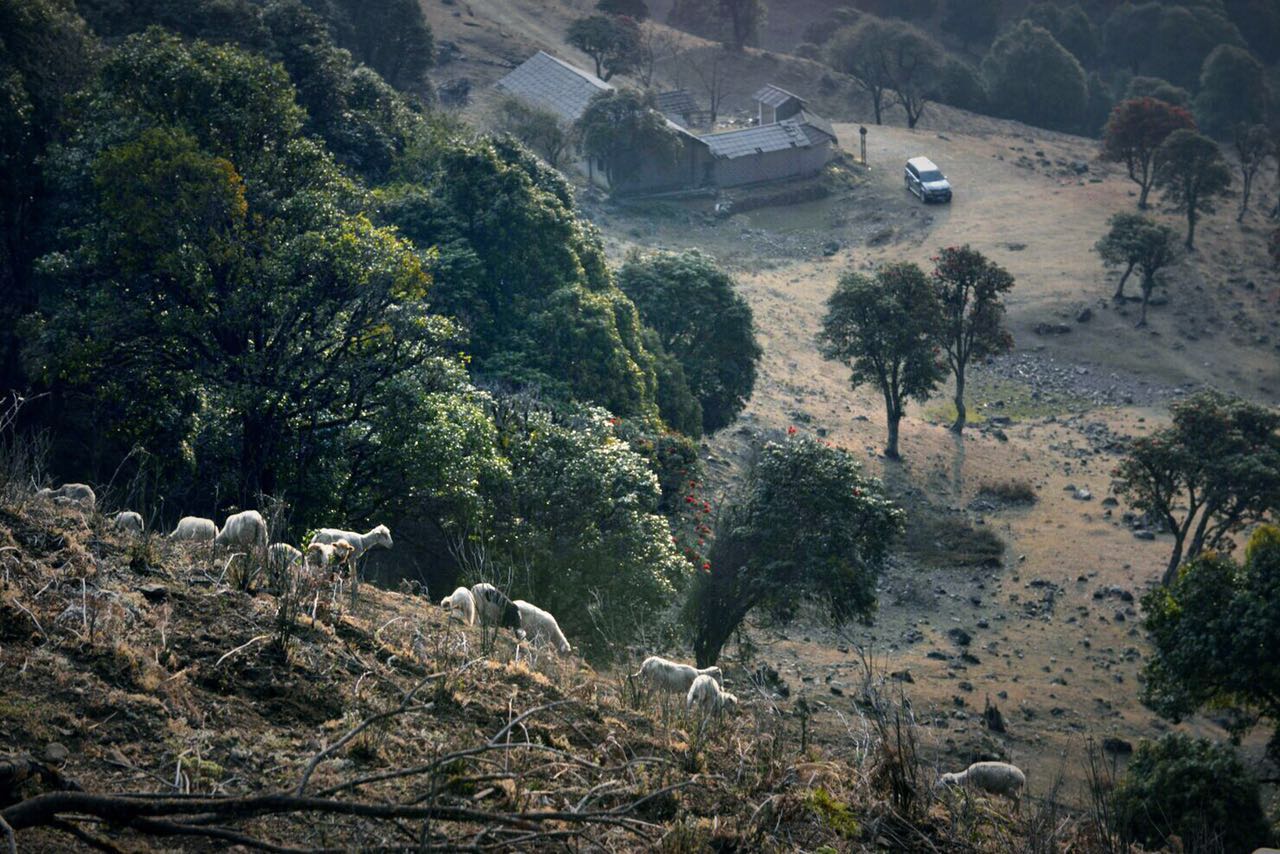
(912,169)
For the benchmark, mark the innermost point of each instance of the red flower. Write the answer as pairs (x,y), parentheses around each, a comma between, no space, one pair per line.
(706,565)
(791,431)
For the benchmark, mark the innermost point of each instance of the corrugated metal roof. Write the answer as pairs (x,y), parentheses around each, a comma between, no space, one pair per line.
(553,84)
(757,140)
(813,121)
(775,96)
(676,102)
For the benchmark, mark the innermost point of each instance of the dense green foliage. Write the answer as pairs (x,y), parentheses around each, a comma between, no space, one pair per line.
(1192,172)
(1032,78)
(969,289)
(622,129)
(1135,130)
(612,42)
(1161,90)
(1170,41)
(971,20)
(539,129)
(1138,243)
(1193,789)
(806,524)
(703,323)
(1211,472)
(1213,631)
(884,328)
(1233,91)
(1072,28)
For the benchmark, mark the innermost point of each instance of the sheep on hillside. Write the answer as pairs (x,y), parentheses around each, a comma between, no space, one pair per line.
(493,608)
(78,494)
(282,556)
(462,604)
(361,543)
(996,778)
(538,625)
(707,695)
(329,555)
(670,677)
(195,529)
(247,528)
(128,520)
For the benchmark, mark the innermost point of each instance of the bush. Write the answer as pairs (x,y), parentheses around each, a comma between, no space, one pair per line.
(1032,78)
(1194,789)
(1009,491)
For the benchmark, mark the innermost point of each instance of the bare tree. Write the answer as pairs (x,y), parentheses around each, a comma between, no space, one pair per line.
(1254,144)
(710,71)
(657,44)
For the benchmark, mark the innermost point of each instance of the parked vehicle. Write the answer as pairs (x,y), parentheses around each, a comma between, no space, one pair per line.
(923,177)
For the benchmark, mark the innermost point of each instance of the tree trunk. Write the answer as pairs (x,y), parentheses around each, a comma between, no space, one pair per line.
(958,426)
(876,97)
(1142,320)
(1191,227)
(1119,297)
(1175,560)
(891,447)
(1244,197)
(1145,184)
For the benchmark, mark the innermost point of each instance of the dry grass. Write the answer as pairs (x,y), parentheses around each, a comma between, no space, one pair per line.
(951,540)
(1012,491)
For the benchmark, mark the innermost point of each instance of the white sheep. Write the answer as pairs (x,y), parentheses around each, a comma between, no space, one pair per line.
(361,543)
(282,556)
(78,494)
(995,778)
(707,695)
(128,520)
(493,608)
(246,528)
(539,625)
(670,677)
(195,529)
(462,604)
(329,555)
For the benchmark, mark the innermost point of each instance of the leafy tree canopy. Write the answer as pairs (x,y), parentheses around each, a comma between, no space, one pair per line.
(1233,91)
(1071,26)
(623,129)
(1134,132)
(1192,172)
(612,42)
(701,320)
(1032,78)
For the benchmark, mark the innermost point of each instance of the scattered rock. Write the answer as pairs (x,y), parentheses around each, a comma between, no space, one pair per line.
(1144,535)
(1084,315)
(154,592)
(1051,329)
(1118,746)
(1082,494)
(902,676)
(960,637)
(830,248)
(56,753)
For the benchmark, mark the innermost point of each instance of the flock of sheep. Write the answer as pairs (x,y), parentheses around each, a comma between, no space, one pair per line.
(703,689)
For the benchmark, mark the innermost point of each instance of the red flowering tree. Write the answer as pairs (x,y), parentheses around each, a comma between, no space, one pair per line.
(1134,132)
(1207,475)
(968,286)
(805,523)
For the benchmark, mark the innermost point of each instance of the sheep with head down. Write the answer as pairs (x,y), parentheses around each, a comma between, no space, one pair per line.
(79,495)
(708,697)
(493,608)
(994,778)
(195,529)
(129,521)
(538,626)
(247,529)
(461,604)
(671,677)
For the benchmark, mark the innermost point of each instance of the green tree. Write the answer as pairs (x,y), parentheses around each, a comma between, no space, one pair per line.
(1259,23)
(612,42)
(1135,130)
(862,51)
(971,20)
(390,36)
(1212,630)
(1214,470)
(1253,144)
(539,129)
(1098,110)
(1136,242)
(1161,90)
(1184,37)
(805,523)
(701,320)
(883,329)
(1193,789)
(1233,91)
(1192,172)
(623,129)
(960,85)
(638,10)
(1071,26)
(914,62)
(744,19)
(969,287)
(1032,78)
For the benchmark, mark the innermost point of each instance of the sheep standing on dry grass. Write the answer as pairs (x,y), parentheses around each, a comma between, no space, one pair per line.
(994,778)
(282,556)
(708,697)
(360,543)
(247,528)
(329,555)
(461,604)
(670,677)
(538,625)
(128,521)
(79,495)
(195,529)
(493,608)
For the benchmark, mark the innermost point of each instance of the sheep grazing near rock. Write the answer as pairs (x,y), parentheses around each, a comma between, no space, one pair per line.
(128,521)
(708,697)
(361,543)
(995,778)
(246,528)
(670,677)
(493,608)
(195,529)
(329,555)
(71,494)
(462,604)
(538,625)
(282,556)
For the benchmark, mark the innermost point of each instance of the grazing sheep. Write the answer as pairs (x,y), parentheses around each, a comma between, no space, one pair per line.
(195,529)
(361,543)
(129,520)
(670,677)
(995,778)
(282,556)
(493,608)
(329,555)
(462,604)
(78,494)
(538,625)
(247,528)
(708,696)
